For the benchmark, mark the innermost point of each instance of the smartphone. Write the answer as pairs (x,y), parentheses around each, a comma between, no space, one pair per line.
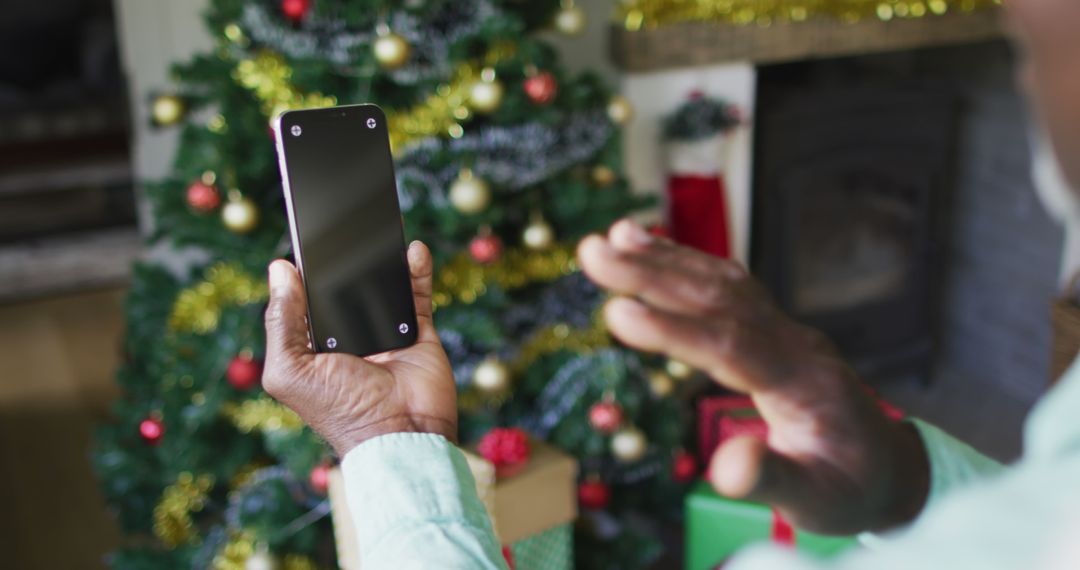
(347,236)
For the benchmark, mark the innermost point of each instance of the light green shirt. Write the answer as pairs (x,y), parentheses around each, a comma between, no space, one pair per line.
(415,504)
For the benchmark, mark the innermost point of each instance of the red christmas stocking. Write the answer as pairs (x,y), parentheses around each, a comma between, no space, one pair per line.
(697,212)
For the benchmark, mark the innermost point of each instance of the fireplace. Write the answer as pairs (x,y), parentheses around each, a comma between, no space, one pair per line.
(852,180)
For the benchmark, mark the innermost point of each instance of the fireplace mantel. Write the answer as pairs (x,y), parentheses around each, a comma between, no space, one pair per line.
(689,44)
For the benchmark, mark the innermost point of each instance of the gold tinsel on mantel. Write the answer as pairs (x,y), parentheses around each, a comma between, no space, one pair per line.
(637,14)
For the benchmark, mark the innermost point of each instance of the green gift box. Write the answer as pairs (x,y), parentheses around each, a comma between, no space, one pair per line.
(718,527)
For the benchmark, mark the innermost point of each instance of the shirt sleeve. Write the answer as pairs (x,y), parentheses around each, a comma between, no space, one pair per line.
(414,503)
(953,463)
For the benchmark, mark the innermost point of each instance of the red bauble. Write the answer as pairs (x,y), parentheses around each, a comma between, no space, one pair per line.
(684,467)
(593,494)
(320,478)
(506,448)
(541,88)
(295,10)
(485,248)
(244,372)
(203,197)
(606,417)
(151,430)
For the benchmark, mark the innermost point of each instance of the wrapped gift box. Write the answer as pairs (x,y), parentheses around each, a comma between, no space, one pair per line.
(532,511)
(717,527)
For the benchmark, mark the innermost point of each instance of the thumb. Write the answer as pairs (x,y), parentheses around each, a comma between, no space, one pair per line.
(745,468)
(286,329)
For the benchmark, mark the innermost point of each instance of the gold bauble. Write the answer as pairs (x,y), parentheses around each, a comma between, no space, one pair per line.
(660,384)
(239,214)
(538,235)
(620,110)
(603,176)
(678,370)
(629,444)
(167,110)
(391,50)
(570,19)
(469,194)
(486,95)
(491,376)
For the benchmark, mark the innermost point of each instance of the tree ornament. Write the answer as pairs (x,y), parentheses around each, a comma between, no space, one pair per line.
(486,95)
(660,384)
(570,19)
(295,10)
(629,444)
(152,429)
(485,247)
(619,110)
(506,448)
(684,467)
(167,110)
(538,235)
(202,195)
(541,88)
(491,376)
(261,559)
(469,194)
(244,372)
(603,176)
(606,417)
(593,494)
(678,370)
(391,50)
(240,214)
(320,478)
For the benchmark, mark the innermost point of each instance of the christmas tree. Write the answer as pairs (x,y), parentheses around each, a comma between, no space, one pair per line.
(504,162)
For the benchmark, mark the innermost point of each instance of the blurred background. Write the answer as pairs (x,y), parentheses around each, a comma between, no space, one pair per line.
(870,161)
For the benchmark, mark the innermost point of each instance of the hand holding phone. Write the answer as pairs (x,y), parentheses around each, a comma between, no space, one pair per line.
(348,399)
(338,178)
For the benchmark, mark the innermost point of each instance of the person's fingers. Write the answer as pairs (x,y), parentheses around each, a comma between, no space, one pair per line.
(422,268)
(628,236)
(286,330)
(732,352)
(287,342)
(669,277)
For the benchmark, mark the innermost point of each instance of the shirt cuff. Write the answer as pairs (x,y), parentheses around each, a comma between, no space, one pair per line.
(398,480)
(953,464)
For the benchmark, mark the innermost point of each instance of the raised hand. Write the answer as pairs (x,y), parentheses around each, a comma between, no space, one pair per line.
(833,463)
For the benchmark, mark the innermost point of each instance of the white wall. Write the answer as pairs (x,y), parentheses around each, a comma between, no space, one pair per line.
(154,34)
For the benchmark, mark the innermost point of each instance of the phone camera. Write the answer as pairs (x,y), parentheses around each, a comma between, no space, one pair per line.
(403,328)
(296,130)
(331,343)
(371,123)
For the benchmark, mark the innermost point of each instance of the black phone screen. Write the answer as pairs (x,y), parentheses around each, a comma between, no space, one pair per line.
(347,231)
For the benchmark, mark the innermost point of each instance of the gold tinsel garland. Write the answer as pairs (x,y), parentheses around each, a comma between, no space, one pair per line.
(241,546)
(269,77)
(172,514)
(198,308)
(463,280)
(558,337)
(261,414)
(636,14)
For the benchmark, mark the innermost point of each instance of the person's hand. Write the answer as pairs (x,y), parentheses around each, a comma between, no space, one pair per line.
(348,399)
(833,463)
